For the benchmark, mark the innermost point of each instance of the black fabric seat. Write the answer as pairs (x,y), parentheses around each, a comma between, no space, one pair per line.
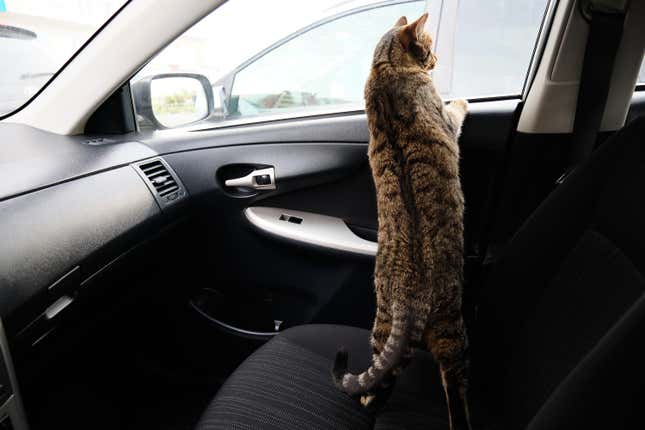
(559,342)
(287,384)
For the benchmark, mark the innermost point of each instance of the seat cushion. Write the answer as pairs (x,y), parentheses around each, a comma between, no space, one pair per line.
(286,384)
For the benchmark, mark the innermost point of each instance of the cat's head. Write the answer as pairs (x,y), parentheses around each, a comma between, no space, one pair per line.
(407,44)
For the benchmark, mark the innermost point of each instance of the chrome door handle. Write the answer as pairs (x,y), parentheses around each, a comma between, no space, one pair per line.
(261,179)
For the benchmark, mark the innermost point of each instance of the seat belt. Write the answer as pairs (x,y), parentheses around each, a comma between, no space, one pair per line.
(606,20)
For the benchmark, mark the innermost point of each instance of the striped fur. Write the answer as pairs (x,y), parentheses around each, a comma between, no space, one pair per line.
(382,364)
(414,157)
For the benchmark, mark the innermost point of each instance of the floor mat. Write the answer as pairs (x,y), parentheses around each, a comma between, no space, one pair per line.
(118,381)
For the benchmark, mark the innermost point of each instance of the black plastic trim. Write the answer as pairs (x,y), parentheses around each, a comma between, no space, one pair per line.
(347,128)
(114,116)
(46,233)
(204,125)
(33,159)
(163,201)
(235,331)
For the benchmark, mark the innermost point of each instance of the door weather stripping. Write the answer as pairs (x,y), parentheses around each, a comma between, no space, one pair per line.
(310,229)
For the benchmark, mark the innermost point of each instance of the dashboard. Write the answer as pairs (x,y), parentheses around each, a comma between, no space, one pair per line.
(70,207)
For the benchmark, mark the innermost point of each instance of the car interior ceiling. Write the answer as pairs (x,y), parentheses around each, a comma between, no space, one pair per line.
(167,298)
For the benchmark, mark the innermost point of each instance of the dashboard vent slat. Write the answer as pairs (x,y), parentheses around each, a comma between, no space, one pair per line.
(160,178)
(155,170)
(162,181)
(167,189)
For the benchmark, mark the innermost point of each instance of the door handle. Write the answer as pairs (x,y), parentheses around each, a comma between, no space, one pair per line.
(261,179)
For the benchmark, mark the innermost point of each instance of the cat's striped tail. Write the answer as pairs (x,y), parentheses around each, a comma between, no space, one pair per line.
(383,364)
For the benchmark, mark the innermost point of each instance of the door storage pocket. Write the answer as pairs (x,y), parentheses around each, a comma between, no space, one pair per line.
(251,315)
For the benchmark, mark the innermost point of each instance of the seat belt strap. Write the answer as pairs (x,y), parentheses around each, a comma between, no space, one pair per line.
(605,33)
(604,38)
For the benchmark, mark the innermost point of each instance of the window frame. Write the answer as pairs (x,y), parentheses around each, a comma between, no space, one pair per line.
(640,85)
(540,46)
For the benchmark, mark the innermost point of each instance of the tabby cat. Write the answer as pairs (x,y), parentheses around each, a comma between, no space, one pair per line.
(414,158)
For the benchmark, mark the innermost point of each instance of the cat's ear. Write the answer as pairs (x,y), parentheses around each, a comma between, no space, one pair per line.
(413,31)
(401,22)
(418,26)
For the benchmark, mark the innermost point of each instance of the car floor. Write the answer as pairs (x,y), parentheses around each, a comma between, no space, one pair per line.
(109,401)
(132,375)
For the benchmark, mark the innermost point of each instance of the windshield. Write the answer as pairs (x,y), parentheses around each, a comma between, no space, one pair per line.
(38,37)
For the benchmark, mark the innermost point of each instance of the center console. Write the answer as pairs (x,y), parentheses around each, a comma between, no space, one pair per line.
(12,414)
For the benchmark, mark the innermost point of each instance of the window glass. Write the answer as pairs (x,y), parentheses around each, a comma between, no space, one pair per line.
(493,45)
(262,62)
(39,37)
(641,74)
(315,58)
(327,65)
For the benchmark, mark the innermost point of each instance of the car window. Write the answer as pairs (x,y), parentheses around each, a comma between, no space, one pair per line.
(641,74)
(492,47)
(39,37)
(316,58)
(325,66)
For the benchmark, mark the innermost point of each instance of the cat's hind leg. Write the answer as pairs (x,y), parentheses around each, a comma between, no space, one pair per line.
(455,389)
(448,343)
(382,321)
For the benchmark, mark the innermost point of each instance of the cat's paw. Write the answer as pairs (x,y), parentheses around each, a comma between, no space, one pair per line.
(460,104)
(367,399)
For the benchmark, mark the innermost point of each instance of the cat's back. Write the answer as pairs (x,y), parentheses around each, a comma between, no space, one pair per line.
(375,88)
(391,92)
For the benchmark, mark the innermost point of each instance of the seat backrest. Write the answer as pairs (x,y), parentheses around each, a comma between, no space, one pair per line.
(564,305)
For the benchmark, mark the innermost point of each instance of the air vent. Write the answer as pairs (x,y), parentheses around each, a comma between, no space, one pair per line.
(162,181)
(160,178)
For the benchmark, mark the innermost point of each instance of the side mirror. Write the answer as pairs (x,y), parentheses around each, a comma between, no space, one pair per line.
(173,99)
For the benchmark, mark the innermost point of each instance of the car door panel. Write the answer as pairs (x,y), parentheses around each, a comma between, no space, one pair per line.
(321,168)
(296,165)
